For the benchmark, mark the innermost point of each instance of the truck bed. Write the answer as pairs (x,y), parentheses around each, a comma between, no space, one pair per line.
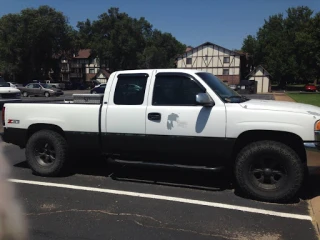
(79,122)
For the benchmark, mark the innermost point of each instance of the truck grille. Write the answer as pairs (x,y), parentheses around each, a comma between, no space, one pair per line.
(9,95)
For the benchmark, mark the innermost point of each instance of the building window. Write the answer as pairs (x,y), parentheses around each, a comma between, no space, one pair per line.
(226,60)
(130,90)
(91,70)
(173,90)
(225,72)
(189,60)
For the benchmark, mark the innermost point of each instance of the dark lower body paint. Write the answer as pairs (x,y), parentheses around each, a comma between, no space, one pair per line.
(184,150)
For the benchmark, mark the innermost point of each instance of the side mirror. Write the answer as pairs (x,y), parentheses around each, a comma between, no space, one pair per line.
(204,99)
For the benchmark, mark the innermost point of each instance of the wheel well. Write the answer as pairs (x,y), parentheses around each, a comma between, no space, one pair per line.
(37,127)
(290,139)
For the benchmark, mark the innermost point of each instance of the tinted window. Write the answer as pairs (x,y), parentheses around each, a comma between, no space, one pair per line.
(175,90)
(4,84)
(130,89)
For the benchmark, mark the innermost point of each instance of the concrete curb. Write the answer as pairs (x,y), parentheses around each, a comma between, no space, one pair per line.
(314,205)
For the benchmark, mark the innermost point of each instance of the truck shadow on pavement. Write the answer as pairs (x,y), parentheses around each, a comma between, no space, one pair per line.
(200,180)
(171,177)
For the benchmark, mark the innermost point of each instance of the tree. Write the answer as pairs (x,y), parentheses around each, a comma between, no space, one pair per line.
(287,46)
(29,39)
(122,42)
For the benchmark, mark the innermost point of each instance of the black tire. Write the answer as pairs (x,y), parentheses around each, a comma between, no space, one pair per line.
(39,161)
(279,180)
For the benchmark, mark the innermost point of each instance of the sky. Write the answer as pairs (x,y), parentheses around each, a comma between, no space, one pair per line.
(223,22)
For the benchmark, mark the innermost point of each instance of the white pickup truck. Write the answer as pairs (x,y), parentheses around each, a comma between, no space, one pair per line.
(173,117)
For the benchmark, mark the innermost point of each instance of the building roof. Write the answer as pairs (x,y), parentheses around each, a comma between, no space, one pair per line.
(83,53)
(265,72)
(210,43)
(189,48)
(105,73)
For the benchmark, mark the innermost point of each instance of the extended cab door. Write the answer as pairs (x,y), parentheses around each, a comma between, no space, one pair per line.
(178,129)
(125,119)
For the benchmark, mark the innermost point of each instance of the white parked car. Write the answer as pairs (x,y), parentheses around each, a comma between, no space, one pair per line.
(8,93)
(176,118)
(13,84)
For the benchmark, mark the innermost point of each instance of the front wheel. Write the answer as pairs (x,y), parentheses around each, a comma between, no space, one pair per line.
(46,153)
(269,171)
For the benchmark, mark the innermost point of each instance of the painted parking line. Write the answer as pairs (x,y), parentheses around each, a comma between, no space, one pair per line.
(166,198)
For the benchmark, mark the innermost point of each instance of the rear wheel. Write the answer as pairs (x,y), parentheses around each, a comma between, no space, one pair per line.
(269,171)
(46,94)
(94,92)
(46,153)
(25,94)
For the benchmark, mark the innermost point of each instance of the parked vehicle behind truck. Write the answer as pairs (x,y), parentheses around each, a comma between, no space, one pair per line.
(8,93)
(40,89)
(175,118)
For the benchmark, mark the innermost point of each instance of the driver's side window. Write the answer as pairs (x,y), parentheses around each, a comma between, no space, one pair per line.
(175,90)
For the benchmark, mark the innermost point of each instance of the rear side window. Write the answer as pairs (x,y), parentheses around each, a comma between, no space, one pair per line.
(130,89)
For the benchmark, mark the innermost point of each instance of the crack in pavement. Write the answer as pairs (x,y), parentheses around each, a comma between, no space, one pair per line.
(94,211)
(227,236)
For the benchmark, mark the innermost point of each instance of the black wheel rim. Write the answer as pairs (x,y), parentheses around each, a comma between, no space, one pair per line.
(45,154)
(268,173)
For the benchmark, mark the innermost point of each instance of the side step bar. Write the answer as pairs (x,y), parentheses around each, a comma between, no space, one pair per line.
(155,164)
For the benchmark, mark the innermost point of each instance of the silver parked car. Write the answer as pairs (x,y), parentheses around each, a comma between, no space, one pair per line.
(40,89)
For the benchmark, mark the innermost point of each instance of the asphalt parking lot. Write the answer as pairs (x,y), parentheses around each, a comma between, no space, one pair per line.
(103,201)
(100,201)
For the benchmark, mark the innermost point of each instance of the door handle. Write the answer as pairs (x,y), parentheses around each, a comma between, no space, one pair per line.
(154,116)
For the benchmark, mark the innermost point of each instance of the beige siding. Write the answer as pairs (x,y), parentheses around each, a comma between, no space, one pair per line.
(101,78)
(259,72)
(94,66)
(262,83)
(210,58)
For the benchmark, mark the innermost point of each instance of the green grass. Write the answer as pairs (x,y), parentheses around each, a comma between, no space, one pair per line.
(311,98)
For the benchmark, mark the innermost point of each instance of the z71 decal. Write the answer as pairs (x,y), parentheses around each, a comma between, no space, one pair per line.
(13,121)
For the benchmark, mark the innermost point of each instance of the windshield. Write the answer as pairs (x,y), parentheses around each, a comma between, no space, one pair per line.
(4,84)
(221,89)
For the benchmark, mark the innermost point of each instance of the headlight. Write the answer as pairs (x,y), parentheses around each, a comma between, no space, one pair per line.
(317,126)
(317,131)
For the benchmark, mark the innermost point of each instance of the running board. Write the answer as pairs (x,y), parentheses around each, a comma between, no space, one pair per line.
(155,164)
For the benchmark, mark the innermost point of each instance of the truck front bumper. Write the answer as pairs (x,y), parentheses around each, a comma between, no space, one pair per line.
(313,147)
